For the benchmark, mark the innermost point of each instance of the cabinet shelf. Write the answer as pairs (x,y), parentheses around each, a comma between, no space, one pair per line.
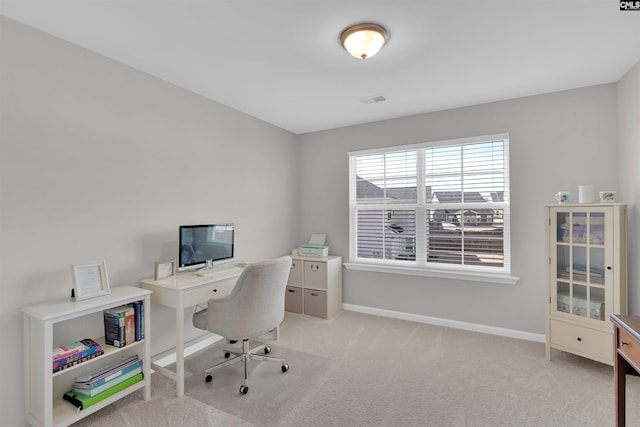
(108,351)
(64,413)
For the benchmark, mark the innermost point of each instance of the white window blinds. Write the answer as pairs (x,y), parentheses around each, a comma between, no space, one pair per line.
(443,205)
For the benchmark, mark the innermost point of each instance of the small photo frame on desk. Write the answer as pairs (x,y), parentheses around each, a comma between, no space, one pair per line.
(164,269)
(90,280)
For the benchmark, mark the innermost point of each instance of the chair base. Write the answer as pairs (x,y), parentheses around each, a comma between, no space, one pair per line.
(246,355)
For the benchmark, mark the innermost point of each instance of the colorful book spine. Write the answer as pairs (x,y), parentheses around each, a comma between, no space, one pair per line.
(138,308)
(99,389)
(115,325)
(90,350)
(77,362)
(65,351)
(82,401)
(142,325)
(109,375)
(129,326)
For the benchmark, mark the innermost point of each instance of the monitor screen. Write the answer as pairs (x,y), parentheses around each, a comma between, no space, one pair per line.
(201,243)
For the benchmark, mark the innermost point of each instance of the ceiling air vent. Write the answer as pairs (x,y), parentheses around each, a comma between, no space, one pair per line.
(373,99)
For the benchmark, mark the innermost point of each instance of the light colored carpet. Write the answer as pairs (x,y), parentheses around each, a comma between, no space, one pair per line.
(363,370)
(272,393)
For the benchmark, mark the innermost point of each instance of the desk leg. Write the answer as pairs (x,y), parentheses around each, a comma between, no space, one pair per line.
(180,345)
(620,372)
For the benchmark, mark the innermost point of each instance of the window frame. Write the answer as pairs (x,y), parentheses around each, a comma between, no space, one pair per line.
(421,266)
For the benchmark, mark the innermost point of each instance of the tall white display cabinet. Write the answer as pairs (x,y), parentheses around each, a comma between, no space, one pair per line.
(44,389)
(587,277)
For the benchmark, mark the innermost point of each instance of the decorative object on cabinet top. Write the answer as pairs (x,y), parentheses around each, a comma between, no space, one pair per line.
(90,280)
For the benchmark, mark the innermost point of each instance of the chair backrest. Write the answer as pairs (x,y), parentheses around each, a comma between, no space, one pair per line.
(256,304)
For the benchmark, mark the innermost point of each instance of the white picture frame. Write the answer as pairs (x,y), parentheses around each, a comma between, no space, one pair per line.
(164,269)
(90,280)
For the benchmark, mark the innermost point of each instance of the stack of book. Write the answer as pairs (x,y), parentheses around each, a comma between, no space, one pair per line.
(72,354)
(96,386)
(124,325)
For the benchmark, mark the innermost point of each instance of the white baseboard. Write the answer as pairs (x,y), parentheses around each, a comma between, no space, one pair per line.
(169,357)
(511,333)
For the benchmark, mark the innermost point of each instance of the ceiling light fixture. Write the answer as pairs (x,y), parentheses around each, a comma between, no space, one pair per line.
(363,41)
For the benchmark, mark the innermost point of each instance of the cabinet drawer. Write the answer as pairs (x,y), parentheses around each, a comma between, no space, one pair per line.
(315,303)
(295,275)
(201,294)
(315,275)
(631,348)
(293,299)
(581,340)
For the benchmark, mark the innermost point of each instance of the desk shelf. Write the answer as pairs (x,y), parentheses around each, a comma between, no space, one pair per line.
(44,389)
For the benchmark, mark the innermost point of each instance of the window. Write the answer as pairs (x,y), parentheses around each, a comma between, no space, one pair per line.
(433,206)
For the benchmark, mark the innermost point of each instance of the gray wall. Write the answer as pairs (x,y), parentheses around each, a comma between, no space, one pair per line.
(629,172)
(99,161)
(557,142)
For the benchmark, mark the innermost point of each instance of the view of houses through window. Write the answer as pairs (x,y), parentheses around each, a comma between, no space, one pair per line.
(432,204)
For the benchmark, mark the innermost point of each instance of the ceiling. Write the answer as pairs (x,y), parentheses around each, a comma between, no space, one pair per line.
(281,61)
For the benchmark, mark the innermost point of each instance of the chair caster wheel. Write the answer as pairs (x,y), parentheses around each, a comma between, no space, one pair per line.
(244,389)
(267,350)
(226,355)
(208,378)
(285,367)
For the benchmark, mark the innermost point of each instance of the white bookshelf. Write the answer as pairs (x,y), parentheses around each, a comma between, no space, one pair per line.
(43,388)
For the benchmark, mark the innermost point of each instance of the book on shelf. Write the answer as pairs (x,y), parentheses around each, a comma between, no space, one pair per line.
(83,401)
(108,374)
(123,376)
(130,326)
(83,350)
(119,326)
(105,370)
(138,309)
(67,350)
(57,368)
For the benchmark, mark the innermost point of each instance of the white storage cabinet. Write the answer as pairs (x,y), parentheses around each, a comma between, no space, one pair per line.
(586,277)
(44,389)
(315,286)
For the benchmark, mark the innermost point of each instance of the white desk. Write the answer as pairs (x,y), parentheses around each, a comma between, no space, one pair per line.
(185,290)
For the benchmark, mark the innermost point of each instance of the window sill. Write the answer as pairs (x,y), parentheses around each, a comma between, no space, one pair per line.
(475,276)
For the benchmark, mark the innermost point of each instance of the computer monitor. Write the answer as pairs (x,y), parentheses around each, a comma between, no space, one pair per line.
(202,243)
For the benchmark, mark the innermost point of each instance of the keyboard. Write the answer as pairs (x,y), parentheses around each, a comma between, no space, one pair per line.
(216,270)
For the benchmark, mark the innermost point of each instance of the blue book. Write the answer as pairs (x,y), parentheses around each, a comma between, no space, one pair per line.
(109,376)
(108,384)
(101,374)
(138,308)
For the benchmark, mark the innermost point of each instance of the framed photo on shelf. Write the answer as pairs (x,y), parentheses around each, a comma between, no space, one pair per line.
(90,280)
(164,269)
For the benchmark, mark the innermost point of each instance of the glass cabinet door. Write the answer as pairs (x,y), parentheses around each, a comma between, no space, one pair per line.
(580,262)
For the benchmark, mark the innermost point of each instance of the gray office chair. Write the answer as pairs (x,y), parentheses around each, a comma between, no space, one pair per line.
(254,307)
